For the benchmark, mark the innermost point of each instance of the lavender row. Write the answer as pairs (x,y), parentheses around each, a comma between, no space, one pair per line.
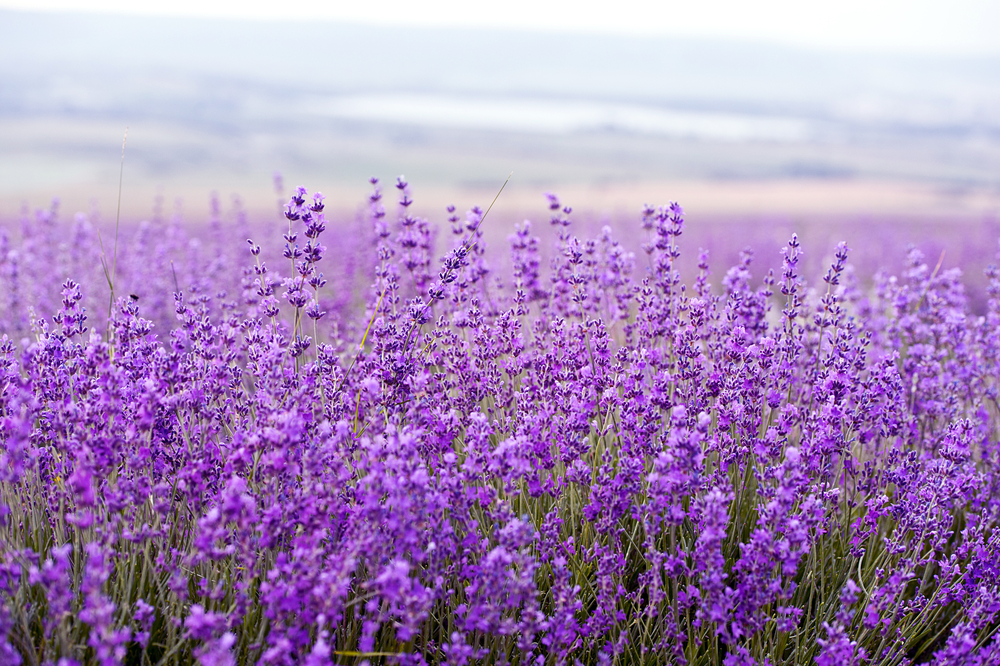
(225,452)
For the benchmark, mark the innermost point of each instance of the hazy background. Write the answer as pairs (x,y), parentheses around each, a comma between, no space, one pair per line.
(887,109)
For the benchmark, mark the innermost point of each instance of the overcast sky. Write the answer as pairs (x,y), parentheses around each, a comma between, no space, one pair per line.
(957,27)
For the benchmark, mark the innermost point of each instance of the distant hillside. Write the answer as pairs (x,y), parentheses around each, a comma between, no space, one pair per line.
(212,69)
(224,103)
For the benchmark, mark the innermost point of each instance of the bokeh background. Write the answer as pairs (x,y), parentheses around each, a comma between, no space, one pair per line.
(760,118)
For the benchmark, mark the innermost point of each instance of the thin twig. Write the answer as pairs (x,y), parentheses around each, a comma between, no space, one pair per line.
(488,209)
(118,215)
(363,338)
(111,274)
(464,246)
(177,288)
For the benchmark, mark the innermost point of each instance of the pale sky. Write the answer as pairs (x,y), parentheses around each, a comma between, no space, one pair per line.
(958,27)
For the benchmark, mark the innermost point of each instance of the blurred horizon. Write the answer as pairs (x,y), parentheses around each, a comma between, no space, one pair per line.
(610,121)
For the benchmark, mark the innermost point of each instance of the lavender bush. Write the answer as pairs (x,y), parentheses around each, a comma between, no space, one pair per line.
(383,457)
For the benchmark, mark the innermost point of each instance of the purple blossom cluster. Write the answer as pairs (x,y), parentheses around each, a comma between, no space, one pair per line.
(358,453)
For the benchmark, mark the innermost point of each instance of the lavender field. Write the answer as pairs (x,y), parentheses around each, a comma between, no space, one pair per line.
(371,439)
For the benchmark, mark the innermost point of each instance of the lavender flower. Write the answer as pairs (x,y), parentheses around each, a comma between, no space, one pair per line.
(402,454)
